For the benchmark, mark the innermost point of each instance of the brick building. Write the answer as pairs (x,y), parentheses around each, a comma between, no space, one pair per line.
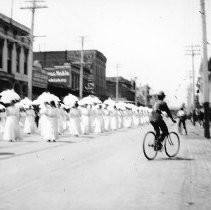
(126,89)
(65,79)
(94,60)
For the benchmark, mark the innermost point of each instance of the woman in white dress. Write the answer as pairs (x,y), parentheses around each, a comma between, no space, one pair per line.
(12,129)
(48,122)
(93,115)
(85,119)
(113,118)
(29,124)
(98,120)
(74,120)
(61,119)
(2,118)
(106,116)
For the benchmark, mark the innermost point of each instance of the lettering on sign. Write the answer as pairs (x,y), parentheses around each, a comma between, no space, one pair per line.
(57,80)
(58,73)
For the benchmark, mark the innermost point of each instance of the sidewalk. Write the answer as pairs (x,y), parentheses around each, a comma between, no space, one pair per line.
(197,185)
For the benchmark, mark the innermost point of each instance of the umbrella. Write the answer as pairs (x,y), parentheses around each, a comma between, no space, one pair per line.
(94,99)
(9,95)
(2,107)
(90,100)
(70,100)
(110,102)
(47,97)
(121,105)
(26,102)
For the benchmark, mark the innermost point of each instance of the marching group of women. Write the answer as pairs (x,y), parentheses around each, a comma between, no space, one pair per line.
(51,118)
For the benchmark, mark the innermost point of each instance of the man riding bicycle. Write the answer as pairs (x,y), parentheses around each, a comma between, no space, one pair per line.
(157,121)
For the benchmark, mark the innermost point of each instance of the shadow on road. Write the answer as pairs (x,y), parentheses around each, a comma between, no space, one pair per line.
(176,158)
(7,153)
(70,142)
(30,141)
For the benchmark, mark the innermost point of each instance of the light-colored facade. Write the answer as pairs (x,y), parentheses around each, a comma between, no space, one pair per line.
(14,48)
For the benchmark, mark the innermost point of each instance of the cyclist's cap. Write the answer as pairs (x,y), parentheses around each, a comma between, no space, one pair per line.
(161,93)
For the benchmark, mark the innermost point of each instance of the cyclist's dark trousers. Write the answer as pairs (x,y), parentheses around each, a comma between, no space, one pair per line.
(160,125)
(182,121)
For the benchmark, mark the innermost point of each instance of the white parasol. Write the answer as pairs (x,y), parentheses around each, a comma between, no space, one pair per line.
(90,100)
(2,107)
(9,95)
(70,100)
(46,97)
(110,102)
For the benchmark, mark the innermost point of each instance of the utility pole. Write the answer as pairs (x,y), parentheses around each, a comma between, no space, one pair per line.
(81,68)
(135,79)
(205,72)
(33,8)
(193,51)
(11,13)
(117,83)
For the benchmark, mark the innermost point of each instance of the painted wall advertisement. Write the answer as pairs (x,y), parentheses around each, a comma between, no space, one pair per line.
(60,75)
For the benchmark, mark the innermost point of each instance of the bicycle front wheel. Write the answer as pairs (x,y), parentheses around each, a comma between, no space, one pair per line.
(172,144)
(149,146)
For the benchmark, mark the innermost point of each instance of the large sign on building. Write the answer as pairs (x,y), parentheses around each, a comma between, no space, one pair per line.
(40,78)
(60,75)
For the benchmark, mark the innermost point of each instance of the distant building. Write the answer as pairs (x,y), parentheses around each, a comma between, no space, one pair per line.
(126,89)
(94,60)
(14,55)
(40,79)
(65,78)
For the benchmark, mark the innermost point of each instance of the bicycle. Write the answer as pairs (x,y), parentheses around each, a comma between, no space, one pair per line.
(171,142)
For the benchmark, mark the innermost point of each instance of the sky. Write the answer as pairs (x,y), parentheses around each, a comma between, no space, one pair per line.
(146,38)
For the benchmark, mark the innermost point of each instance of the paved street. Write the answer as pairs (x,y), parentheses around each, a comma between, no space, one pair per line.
(108,171)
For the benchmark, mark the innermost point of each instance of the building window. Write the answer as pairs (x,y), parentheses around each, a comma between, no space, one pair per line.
(1,52)
(18,59)
(9,58)
(26,52)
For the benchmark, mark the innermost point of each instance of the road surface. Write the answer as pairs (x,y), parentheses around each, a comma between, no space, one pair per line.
(107,171)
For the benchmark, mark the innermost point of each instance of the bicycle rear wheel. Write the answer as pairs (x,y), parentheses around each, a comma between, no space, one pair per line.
(149,146)
(172,144)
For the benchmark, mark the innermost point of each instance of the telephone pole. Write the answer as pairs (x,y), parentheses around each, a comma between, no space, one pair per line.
(11,12)
(81,68)
(193,50)
(135,80)
(33,8)
(117,83)
(205,72)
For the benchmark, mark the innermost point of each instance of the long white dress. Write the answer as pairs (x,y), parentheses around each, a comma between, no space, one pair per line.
(93,115)
(12,130)
(29,124)
(113,119)
(48,123)
(74,122)
(119,119)
(85,120)
(61,120)
(98,120)
(2,121)
(106,116)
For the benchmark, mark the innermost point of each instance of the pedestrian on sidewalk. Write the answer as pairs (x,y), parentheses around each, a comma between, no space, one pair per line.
(181,114)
